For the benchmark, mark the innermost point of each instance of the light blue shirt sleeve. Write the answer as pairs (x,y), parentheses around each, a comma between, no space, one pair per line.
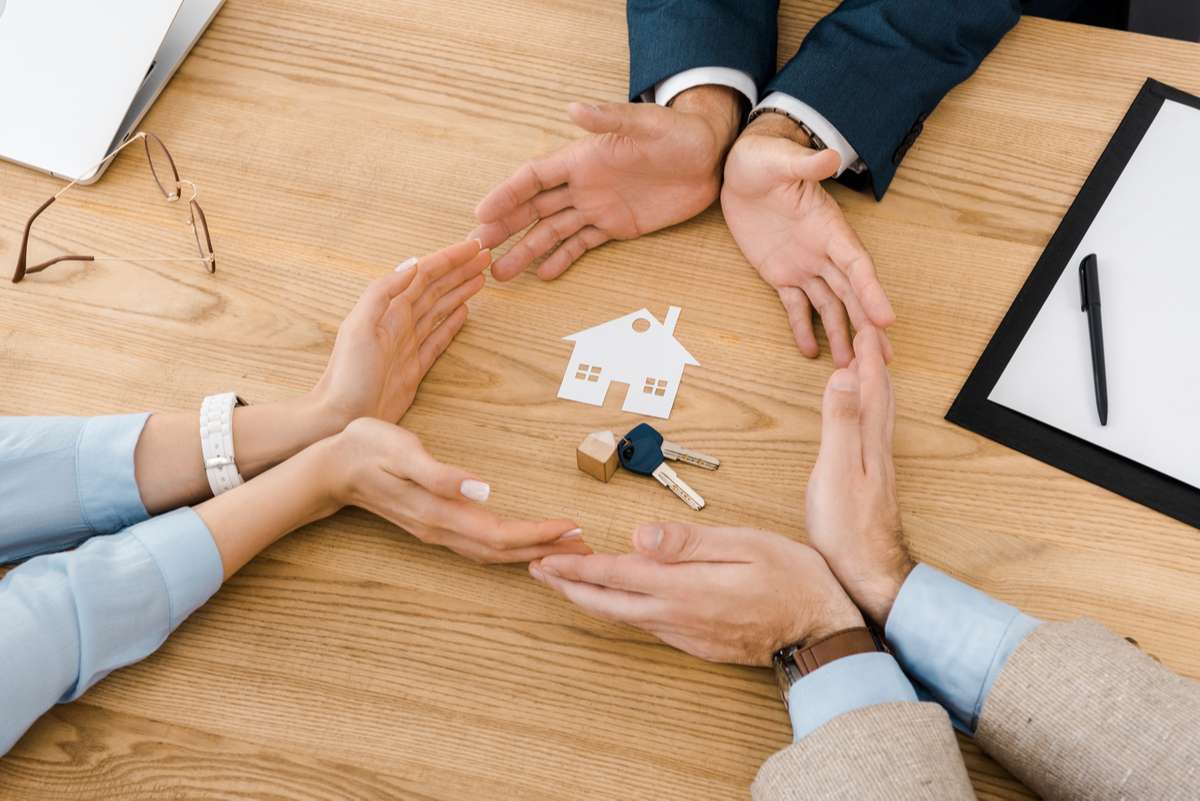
(65,479)
(68,619)
(954,640)
(849,683)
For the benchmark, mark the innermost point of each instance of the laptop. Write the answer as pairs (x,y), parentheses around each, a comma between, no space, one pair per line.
(77,76)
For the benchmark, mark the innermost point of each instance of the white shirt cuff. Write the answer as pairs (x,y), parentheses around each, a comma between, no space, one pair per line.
(105,479)
(821,127)
(667,90)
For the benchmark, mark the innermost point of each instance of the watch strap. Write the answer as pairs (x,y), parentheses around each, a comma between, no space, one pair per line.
(817,142)
(808,657)
(216,441)
(796,661)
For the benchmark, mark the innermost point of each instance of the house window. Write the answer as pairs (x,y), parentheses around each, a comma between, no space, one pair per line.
(586,372)
(655,387)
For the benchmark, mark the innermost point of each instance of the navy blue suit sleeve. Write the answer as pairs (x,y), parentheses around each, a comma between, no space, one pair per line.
(876,68)
(667,37)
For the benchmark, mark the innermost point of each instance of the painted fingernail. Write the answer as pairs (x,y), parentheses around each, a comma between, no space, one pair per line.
(475,490)
(573,534)
(407,264)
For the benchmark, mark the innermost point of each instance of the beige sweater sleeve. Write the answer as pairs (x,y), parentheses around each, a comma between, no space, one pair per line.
(902,751)
(1079,713)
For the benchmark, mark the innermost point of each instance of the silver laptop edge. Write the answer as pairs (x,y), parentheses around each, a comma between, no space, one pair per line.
(190,23)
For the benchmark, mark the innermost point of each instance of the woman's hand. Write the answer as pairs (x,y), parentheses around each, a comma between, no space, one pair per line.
(385,346)
(397,330)
(384,469)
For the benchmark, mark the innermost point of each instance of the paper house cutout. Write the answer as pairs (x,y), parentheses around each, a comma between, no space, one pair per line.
(636,350)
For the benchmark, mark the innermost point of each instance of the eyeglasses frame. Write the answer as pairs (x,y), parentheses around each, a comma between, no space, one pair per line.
(208,256)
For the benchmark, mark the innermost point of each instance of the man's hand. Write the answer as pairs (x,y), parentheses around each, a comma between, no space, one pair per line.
(397,330)
(853,514)
(722,594)
(795,235)
(643,167)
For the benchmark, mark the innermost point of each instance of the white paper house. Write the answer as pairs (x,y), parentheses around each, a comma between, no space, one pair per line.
(636,350)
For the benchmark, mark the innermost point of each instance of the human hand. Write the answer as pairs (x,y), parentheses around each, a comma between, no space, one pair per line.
(722,594)
(795,235)
(384,469)
(397,330)
(643,167)
(853,514)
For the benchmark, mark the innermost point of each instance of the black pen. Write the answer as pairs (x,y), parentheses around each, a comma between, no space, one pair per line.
(1089,290)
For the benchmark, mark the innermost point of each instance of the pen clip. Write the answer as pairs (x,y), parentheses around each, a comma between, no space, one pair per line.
(1084,292)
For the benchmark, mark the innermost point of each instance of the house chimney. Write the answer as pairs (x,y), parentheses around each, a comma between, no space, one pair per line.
(672,318)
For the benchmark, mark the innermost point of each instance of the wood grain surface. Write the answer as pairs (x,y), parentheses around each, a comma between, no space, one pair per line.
(332,139)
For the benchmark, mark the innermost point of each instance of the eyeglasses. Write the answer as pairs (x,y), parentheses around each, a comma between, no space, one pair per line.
(166,176)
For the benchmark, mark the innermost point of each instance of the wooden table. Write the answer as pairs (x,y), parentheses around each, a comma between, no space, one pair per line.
(332,138)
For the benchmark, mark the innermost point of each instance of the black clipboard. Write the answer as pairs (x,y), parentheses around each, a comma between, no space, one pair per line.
(972,409)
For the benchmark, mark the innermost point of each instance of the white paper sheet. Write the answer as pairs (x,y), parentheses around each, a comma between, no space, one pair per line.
(1147,242)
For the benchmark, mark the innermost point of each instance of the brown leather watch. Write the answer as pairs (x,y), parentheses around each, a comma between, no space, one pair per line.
(796,661)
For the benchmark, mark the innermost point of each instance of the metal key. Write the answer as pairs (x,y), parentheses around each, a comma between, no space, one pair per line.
(677,453)
(641,451)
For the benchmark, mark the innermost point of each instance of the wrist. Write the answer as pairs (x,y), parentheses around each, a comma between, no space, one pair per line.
(267,434)
(771,123)
(291,495)
(719,106)
(839,617)
(325,416)
(345,460)
(880,596)
(322,468)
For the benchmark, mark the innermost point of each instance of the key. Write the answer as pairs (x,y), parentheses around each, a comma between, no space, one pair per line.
(641,452)
(677,453)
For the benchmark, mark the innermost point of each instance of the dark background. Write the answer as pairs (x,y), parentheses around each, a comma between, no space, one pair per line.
(1177,19)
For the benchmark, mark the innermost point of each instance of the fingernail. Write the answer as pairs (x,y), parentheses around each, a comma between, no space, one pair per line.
(535,570)
(407,264)
(573,534)
(478,241)
(844,380)
(547,570)
(475,490)
(651,539)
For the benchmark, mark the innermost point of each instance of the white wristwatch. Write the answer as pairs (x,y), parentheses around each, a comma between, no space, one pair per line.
(216,441)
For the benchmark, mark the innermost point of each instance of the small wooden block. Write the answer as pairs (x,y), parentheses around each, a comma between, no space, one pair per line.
(597,455)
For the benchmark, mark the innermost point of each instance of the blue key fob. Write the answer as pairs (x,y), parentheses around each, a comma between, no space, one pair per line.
(640,450)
